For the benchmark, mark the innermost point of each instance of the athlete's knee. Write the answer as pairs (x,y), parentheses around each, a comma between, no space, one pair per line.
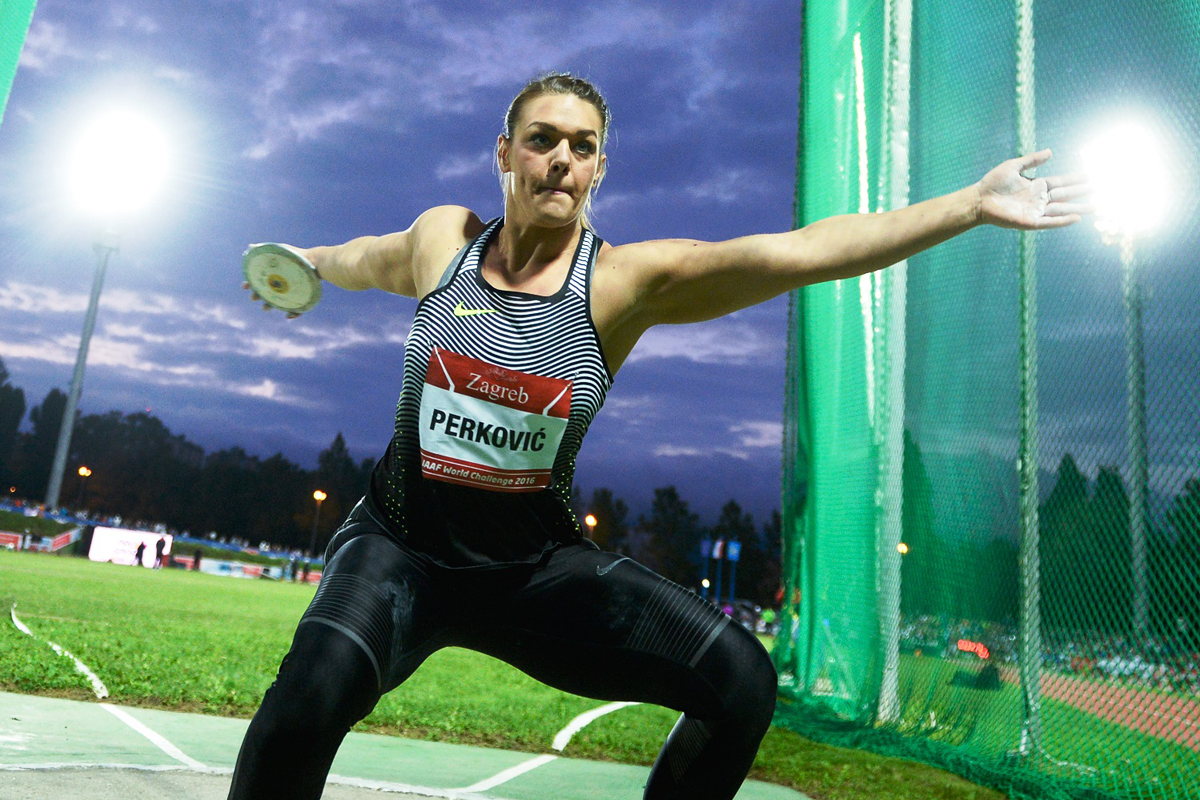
(744,674)
(324,683)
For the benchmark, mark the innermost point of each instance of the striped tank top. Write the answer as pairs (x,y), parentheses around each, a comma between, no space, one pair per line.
(499,389)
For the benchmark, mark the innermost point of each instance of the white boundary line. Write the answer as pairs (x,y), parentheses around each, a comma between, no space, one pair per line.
(578,724)
(97,685)
(157,740)
(510,773)
(561,739)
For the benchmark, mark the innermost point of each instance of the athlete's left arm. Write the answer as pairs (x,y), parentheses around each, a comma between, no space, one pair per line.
(676,281)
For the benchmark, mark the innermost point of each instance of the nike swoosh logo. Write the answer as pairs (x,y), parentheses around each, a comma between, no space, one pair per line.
(608,569)
(461,310)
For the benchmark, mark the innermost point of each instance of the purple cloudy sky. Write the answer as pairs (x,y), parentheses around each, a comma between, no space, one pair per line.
(315,122)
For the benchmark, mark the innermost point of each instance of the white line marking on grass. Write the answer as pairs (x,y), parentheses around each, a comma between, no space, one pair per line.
(578,724)
(510,773)
(157,740)
(97,685)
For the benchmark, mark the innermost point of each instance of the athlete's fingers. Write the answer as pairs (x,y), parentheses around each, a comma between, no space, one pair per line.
(1072,181)
(1032,160)
(1065,209)
(1047,222)
(1060,190)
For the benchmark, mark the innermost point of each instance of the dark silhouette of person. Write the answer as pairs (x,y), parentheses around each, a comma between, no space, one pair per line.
(159,547)
(137,557)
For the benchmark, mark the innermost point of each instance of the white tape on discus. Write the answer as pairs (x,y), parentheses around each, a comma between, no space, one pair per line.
(97,685)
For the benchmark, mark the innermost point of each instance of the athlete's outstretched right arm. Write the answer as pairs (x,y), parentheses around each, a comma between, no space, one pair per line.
(368,262)
(400,263)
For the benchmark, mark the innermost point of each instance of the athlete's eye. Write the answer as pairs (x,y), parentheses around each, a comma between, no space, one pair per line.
(539,140)
(587,148)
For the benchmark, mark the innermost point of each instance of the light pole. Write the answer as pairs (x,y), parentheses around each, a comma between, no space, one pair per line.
(106,244)
(84,474)
(1130,179)
(1135,413)
(118,165)
(319,496)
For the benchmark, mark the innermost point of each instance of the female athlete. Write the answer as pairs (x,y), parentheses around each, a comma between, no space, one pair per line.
(465,537)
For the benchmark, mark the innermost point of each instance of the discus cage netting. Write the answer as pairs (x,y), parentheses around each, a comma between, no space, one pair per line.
(992,451)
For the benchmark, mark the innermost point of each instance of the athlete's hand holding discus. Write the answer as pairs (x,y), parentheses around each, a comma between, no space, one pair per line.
(281,276)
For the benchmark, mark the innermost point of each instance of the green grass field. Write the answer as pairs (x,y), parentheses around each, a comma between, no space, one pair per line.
(192,642)
(1087,748)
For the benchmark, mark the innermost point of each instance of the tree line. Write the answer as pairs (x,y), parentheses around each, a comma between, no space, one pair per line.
(144,473)
(1085,557)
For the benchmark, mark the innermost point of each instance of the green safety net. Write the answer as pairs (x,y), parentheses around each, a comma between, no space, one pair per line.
(992,452)
(14,23)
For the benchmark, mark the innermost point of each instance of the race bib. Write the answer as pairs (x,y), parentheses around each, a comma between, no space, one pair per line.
(490,427)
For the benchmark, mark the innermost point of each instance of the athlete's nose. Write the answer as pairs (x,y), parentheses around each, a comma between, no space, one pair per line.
(560,159)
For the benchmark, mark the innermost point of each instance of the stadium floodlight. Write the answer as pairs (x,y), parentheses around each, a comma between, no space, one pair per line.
(1131,192)
(119,163)
(1129,177)
(319,496)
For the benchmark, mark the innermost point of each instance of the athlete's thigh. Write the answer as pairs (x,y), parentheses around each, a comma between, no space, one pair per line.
(381,598)
(602,625)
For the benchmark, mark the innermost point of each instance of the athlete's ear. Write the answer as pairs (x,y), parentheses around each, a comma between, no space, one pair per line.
(502,153)
(601,170)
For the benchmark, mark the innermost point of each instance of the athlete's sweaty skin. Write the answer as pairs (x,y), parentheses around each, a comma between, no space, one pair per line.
(593,623)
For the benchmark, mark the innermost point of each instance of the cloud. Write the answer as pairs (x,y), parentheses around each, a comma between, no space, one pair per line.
(35,299)
(750,436)
(45,43)
(125,17)
(428,60)
(460,166)
(730,185)
(759,434)
(723,341)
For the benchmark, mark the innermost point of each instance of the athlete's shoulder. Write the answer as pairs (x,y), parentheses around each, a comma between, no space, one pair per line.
(437,235)
(448,221)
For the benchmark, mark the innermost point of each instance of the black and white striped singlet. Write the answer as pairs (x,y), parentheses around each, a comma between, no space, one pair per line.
(499,389)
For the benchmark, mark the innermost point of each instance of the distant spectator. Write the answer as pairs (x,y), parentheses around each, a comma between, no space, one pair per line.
(196,560)
(159,547)
(137,557)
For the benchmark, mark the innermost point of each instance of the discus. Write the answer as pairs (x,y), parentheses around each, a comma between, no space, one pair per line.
(281,278)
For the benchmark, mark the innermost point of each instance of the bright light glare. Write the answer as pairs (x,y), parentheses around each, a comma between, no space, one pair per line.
(121,160)
(1128,172)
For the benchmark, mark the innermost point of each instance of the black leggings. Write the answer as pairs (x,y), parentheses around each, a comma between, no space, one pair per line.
(584,621)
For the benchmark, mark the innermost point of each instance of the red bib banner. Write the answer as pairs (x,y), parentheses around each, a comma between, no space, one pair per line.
(490,427)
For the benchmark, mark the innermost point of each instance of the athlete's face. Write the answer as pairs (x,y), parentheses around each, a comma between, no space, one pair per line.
(553,159)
